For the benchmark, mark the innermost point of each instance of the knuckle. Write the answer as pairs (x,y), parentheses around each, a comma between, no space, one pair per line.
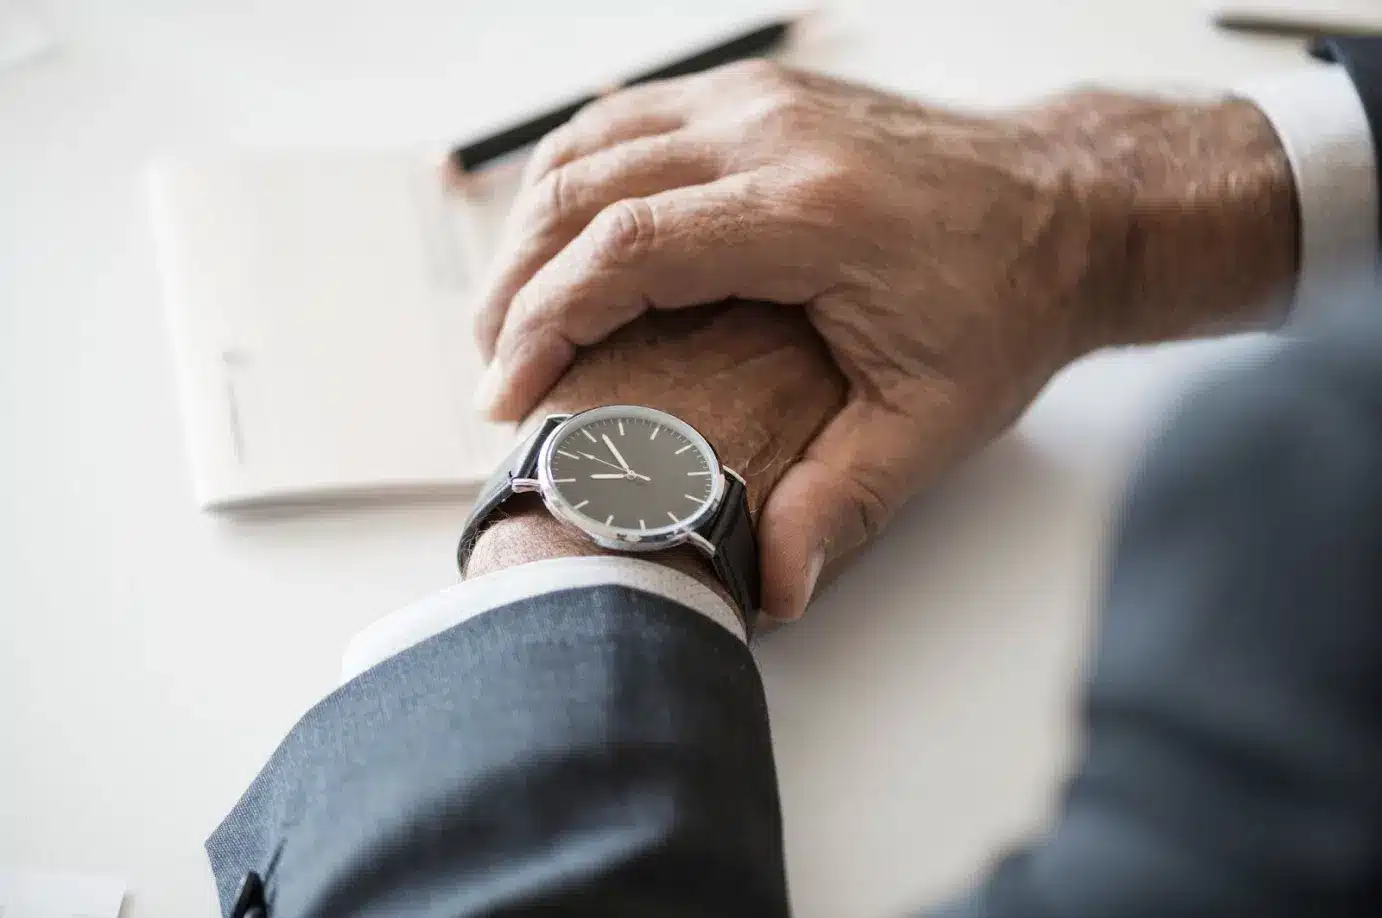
(528,328)
(826,184)
(547,203)
(551,150)
(818,193)
(513,327)
(781,110)
(595,115)
(540,207)
(623,231)
(754,70)
(485,326)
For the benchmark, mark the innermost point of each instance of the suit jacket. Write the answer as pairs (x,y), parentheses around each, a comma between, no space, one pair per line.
(606,752)
(1362,58)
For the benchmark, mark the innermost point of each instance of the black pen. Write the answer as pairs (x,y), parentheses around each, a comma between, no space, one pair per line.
(1291,24)
(752,43)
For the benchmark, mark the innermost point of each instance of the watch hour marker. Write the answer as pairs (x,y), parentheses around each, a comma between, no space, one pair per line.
(562,480)
(693,497)
(609,519)
(567,455)
(682,450)
(587,435)
(621,428)
(673,516)
(642,526)
(655,430)
(580,505)
(703,472)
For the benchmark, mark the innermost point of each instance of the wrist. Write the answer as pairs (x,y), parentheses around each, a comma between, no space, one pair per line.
(1199,228)
(523,532)
(526,532)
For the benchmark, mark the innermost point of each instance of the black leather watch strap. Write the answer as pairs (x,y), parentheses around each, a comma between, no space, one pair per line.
(730,533)
(520,463)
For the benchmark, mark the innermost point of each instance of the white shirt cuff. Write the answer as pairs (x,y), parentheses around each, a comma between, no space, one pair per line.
(431,616)
(1320,120)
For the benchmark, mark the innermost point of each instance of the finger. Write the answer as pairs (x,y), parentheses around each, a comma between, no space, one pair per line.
(624,115)
(678,248)
(549,215)
(649,108)
(853,477)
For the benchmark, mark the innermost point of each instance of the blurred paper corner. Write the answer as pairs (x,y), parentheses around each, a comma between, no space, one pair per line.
(24,35)
(27,893)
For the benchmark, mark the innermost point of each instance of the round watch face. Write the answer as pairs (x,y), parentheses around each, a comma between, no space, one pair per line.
(632,473)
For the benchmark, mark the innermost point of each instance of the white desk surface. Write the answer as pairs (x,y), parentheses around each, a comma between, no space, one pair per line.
(152,656)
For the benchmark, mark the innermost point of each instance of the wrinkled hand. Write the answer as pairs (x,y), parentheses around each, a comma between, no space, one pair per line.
(952,264)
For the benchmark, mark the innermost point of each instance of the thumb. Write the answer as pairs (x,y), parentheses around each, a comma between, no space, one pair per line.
(838,496)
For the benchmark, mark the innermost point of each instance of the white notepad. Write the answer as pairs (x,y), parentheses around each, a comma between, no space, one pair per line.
(28,893)
(319,312)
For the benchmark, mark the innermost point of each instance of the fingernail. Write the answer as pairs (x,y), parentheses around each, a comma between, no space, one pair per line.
(488,391)
(813,573)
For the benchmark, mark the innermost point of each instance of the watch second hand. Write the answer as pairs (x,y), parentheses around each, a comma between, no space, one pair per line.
(626,472)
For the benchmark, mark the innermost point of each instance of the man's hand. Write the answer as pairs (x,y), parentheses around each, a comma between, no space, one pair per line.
(755,380)
(952,264)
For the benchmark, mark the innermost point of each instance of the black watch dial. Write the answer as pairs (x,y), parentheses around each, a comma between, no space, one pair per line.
(633,469)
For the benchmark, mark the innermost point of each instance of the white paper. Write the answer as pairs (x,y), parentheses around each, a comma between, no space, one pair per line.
(53,894)
(22,37)
(319,311)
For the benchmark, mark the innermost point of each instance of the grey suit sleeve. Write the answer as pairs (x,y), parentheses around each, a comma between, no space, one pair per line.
(595,752)
(1362,58)
(1233,759)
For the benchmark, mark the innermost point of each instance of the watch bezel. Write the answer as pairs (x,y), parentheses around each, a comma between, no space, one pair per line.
(617,538)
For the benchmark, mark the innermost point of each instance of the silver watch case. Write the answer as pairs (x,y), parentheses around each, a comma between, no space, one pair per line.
(617,538)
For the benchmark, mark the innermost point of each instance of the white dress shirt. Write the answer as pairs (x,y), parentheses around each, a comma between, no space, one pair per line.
(1319,117)
(464,601)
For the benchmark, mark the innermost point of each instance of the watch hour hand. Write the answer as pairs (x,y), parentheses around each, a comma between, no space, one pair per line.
(627,472)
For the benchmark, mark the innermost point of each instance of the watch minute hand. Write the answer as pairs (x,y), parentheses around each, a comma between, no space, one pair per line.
(602,461)
(613,449)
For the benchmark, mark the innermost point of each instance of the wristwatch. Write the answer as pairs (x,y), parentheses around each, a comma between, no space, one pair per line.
(632,479)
